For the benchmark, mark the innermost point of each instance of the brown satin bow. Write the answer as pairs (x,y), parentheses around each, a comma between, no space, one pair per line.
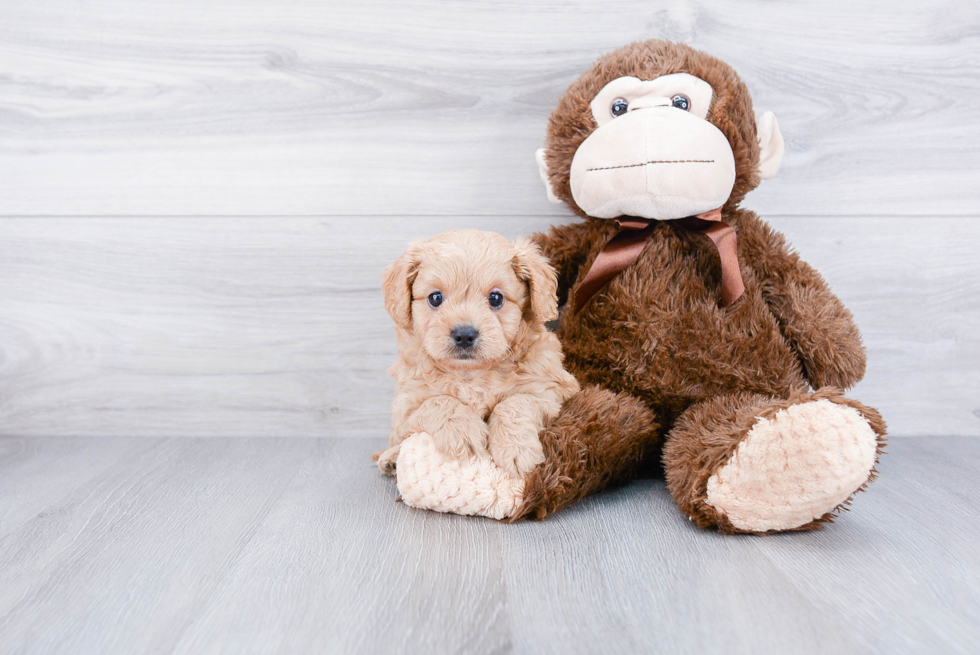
(624,248)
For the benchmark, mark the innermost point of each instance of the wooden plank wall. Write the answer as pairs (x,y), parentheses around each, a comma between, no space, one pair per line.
(197,199)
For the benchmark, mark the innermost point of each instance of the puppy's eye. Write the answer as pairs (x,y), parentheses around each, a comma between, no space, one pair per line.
(681,102)
(619,106)
(435,299)
(496,299)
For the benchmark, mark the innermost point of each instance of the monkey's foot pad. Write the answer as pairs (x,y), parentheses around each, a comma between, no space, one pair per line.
(428,479)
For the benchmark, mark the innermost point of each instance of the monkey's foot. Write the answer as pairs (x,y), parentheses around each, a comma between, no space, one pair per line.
(794,467)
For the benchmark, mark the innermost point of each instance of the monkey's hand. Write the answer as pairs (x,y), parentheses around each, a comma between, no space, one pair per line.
(823,334)
(456,430)
(816,323)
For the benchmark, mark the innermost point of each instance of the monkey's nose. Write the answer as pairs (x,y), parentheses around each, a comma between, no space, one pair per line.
(464,336)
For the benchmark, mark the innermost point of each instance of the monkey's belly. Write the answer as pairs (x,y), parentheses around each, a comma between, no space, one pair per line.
(657,332)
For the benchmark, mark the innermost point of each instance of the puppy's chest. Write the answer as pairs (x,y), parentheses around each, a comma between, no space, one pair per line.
(479,390)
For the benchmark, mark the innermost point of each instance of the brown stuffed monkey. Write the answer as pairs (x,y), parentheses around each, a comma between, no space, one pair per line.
(693,328)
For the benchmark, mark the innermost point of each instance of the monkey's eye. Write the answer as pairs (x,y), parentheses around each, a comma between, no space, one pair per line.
(496,299)
(619,106)
(435,299)
(681,102)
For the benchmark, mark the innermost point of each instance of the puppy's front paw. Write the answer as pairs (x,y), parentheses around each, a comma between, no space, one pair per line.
(387,459)
(461,439)
(516,454)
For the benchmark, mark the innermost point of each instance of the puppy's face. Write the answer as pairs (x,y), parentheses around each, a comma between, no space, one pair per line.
(469,296)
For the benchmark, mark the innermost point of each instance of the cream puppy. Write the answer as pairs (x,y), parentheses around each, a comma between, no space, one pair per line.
(477,369)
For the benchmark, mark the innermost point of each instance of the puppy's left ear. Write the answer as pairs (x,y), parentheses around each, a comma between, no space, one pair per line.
(531,267)
(397,285)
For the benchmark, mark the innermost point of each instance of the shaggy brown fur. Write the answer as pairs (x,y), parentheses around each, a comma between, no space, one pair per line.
(673,363)
(614,433)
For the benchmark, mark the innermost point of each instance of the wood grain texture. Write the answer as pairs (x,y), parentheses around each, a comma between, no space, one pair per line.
(295,545)
(343,108)
(248,326)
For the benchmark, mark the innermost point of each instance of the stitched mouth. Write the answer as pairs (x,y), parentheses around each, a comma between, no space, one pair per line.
(654,161)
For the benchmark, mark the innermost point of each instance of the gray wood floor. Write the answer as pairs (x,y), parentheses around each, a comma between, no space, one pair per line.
(261,545)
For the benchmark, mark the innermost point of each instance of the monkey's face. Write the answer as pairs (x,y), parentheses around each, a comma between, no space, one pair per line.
(657,130)
(653,154)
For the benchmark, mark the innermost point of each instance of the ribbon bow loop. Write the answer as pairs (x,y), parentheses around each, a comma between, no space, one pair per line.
(625,247)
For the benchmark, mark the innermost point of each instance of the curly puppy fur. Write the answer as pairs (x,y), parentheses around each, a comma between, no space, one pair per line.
(494,392)
(673,364)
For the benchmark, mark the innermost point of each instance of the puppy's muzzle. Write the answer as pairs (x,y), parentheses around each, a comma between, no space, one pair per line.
(465,336)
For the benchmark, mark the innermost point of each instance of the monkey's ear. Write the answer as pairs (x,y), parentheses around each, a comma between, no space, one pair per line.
(770,145)
(533,269)
(397,285)
(543,172)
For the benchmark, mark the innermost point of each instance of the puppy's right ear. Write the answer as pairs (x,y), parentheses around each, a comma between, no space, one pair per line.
(397,285)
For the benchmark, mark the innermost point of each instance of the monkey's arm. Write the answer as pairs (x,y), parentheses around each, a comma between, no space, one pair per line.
(567,248)
(810,316)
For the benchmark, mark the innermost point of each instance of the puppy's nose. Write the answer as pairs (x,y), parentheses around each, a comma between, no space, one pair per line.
(464,336)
